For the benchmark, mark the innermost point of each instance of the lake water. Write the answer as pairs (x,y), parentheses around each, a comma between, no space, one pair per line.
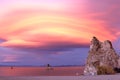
(41,71)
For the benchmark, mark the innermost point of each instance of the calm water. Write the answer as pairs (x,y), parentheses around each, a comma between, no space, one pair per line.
(40,71)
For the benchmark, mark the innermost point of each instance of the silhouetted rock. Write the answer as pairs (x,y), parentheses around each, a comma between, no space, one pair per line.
(100,54)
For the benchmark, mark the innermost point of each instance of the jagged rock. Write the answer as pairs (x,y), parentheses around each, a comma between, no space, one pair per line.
(100,54)
(119,63)
(90,70)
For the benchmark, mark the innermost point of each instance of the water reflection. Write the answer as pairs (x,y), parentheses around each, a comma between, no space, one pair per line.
(40,71)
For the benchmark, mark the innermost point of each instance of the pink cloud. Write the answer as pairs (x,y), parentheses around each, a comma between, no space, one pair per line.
(33,27)
(10,58)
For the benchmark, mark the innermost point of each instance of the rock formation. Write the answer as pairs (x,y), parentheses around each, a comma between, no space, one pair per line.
(100,54)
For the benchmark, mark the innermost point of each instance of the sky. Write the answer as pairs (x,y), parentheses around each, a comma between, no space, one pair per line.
(56,32)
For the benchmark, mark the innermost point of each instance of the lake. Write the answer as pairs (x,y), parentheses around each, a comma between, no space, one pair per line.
(41,71)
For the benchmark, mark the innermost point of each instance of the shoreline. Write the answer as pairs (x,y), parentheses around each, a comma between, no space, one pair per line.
(98,77)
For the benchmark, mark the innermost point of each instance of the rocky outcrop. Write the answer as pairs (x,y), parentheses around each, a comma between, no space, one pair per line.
(100,54)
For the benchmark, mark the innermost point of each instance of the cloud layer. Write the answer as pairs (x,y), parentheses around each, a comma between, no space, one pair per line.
(37,27)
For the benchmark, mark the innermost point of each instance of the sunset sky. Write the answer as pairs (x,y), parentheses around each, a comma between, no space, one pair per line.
(58,32)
